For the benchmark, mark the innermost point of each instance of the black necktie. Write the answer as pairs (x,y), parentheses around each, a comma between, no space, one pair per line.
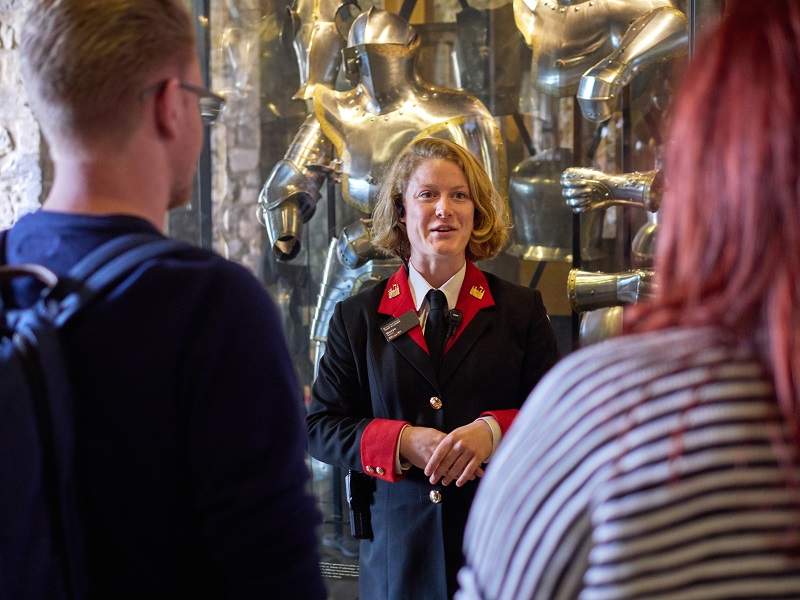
(436,326)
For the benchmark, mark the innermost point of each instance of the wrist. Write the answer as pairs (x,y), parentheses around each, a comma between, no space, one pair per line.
(400,464)
(488,435)
(486,426)
(495,433)
(403,441)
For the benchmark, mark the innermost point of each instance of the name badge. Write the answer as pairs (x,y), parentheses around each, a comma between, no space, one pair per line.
(397,327)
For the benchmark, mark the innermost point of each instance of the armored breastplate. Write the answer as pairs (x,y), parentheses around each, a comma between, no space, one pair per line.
(567,40)
(367,143)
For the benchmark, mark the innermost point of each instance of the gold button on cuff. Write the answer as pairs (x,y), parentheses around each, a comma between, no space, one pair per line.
(435,496)
(370,469)
(379,470)
(436,402)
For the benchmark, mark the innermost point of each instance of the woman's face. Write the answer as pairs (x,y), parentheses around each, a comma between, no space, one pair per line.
(439,211)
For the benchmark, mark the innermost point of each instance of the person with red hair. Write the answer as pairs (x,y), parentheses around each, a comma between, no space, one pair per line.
(664,464)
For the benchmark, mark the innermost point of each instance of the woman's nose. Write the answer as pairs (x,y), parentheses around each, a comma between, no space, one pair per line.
(443,207)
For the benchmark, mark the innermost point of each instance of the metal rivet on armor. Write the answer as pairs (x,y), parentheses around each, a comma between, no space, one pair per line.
(435,496)
(436,402)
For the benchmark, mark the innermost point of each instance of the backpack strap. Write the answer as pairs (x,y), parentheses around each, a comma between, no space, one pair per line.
(3,236)
(108,251)
(106,266)
(5,287)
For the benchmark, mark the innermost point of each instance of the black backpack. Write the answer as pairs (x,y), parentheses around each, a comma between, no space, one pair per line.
(41,539)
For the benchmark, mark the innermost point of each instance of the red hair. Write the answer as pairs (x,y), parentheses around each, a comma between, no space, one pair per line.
(729,248)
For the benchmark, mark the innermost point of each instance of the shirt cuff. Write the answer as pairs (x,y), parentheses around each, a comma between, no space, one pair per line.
(497,433)
(505,417)
(400,467)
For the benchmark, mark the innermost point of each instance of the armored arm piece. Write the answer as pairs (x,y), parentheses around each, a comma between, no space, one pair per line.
(340,281)
(658,35)
(587,189)
(291,193)
(588,291)
(355,244)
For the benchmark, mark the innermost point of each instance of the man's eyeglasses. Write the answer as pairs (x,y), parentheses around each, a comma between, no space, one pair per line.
(210,104)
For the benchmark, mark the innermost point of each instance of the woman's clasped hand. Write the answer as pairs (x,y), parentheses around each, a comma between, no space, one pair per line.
(456,456)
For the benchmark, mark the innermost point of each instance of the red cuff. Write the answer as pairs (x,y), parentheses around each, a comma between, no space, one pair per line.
(378,444)
(504,418)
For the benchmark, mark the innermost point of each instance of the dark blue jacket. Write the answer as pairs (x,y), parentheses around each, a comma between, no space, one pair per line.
(190,441)
(368,387)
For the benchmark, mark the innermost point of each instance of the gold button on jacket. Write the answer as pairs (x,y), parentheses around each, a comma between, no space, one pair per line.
(436,402)
(435,496)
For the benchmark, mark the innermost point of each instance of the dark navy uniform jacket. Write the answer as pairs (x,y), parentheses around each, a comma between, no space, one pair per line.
(190,444)
(368,388)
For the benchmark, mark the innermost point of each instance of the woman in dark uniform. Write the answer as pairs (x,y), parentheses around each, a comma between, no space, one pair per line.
(423,373)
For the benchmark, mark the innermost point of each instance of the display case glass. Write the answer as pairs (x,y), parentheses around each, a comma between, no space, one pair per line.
(577,93)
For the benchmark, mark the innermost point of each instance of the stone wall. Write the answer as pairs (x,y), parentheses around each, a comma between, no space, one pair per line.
(24,168)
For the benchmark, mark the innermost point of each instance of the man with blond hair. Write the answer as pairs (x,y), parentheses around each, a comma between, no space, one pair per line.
(190,448)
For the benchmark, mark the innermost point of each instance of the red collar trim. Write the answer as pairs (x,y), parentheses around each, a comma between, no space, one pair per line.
(474,296)
(397,300)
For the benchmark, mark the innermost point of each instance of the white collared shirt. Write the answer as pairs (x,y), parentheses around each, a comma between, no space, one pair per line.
(420,287)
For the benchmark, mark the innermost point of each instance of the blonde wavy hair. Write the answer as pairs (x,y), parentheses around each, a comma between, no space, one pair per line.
(491,221)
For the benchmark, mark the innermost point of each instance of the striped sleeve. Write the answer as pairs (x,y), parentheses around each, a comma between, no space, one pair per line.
(644,467)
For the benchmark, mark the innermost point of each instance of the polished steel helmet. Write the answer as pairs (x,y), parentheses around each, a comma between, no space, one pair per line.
(378,26)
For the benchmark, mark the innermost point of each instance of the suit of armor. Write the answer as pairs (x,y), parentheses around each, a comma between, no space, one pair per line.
(353,137)
(577,42)
(594,48)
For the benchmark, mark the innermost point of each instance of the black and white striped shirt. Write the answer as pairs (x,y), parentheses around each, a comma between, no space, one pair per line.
(643,467)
